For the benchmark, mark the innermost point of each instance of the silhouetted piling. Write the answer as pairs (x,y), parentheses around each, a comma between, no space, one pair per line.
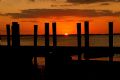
(8,35)
(54,40)
(87,34)
(35,43)
(37,73)
(86,24)
(79,40)
(111,40)
(47,43)
(47,60)
(54,35)
(15,35)
(46,35)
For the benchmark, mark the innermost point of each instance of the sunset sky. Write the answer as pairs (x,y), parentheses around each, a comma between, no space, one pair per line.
(65,12)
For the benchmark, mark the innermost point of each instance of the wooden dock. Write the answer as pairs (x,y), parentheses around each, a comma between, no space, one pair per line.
(58,59)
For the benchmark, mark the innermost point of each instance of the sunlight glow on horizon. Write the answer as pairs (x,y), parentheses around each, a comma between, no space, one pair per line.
(98,25)
(66,34)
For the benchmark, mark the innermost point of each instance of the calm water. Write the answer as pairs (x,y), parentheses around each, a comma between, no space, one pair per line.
(95,40)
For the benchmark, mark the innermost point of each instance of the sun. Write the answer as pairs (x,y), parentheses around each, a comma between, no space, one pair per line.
(66,34)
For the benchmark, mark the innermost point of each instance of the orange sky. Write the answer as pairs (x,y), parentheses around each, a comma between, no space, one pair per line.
(66,14)
(98,25)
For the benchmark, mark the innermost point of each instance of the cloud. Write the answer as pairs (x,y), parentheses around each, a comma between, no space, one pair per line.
(1,14)
(32,0)
(105,3)
(43,13)
(63,5)
(90,1)
(29,21)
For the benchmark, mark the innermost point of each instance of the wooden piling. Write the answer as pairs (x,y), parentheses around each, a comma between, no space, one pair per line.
(86,34)
(8,34)
(47,61)
(35,43)
(54,35)
(37,73)
(15,35)
(46,35)
(47,57)
(111,41)
(79,40)
(86,24)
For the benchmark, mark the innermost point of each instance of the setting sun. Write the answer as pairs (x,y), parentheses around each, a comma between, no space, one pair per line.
(66,34)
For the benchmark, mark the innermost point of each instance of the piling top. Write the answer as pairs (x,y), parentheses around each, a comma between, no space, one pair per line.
(35,25)
(14,23)
(53,22)
(86,21)
(7,24)
(111,23)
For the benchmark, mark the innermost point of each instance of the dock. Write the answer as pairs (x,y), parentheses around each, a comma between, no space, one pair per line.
(58,62)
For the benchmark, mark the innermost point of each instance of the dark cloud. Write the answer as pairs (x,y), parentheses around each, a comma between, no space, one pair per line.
(105,4)
(32,0)
(29,21)
(90,1)
(42,13)
(63,5)
(1,14)
(53,5)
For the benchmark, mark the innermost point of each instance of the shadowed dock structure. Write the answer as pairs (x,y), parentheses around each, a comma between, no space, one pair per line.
(58,63)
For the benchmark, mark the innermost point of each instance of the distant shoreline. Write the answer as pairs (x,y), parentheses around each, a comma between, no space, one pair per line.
(62,35)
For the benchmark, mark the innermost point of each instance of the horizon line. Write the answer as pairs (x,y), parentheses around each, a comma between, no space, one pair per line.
(60,34)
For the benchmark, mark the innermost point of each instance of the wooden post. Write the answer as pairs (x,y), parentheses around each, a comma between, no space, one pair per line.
(47,58)
(86,34)
(46,35)
(54,44)
(15,35)
(79,40)
(35,43)
(36,74)
(86,38)
(111,41)
(54,35)
(8,35)
(47,43)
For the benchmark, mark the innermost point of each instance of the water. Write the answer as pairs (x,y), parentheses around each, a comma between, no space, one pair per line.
(71,40)
(95,40)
